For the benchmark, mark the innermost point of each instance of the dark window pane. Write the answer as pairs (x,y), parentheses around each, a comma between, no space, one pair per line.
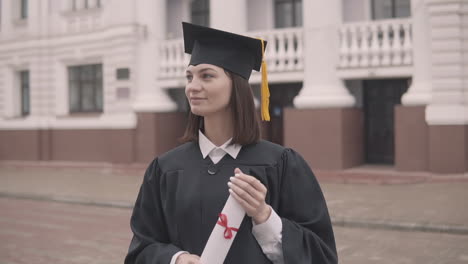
(98,98)
(200,20)
(74,96)
(200,12)
(25,93)
(284,14)
(402,8)
(24,9)
(73,74)
(382,9)
(87,97)
(87,73)
(298,14)
(200,5)
(288,13)
(386,9)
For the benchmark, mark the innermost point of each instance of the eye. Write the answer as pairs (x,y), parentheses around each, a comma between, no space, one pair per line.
(207,76)
(189,77)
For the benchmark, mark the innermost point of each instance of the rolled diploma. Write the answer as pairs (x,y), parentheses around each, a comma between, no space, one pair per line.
(218,246)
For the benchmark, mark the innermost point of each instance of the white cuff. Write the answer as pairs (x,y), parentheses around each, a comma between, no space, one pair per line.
(174,258)
(270,231)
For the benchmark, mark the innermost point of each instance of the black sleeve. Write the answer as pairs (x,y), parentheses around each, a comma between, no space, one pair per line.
(150,242)
(307,235)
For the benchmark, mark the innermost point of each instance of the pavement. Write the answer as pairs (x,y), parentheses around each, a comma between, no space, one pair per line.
(379,215)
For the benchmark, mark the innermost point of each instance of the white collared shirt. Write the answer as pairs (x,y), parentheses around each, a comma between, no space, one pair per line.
(268,234)
(207,148)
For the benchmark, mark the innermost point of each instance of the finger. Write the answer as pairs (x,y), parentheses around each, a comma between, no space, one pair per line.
(247,207)
(251,200)
(252,185)
(258,185)
(248,188)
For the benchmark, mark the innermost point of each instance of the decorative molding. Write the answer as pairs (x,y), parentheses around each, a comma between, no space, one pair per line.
(103,121)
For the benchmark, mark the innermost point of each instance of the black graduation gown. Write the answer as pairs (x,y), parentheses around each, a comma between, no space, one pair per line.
(179,202)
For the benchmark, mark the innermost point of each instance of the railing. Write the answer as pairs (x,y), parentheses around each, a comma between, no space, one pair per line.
(367,44)
(375,44)
(284,52)
(173,60)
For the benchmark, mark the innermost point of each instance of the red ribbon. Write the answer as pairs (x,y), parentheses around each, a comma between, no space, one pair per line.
(224,223)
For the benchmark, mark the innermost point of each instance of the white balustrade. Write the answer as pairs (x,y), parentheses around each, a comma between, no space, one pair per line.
(173,60)
(283,53)
(382,43)
(375,43)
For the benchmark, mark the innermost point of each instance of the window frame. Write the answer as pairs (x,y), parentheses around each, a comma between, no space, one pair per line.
(97,83)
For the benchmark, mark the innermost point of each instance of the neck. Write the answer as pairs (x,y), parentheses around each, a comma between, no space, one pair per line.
(218,128)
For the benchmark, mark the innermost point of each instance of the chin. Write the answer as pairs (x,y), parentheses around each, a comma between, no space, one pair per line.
(197,111)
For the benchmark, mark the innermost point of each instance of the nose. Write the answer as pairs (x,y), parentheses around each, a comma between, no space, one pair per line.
(193,86)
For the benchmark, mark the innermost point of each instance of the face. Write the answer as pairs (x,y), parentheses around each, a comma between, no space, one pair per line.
(208,90)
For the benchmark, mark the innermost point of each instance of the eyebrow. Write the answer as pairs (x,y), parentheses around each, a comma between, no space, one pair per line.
(202,70)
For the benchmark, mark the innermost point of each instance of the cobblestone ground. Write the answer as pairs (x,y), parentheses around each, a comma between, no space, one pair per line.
(49,232)
(37,232)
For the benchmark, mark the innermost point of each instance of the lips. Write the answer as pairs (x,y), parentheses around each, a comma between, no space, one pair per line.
(196,100)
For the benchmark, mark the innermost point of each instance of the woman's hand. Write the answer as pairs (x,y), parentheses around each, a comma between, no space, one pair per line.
(250,193)
(186,258)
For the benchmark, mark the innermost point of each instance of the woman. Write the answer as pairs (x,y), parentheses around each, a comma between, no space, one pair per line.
(184,190)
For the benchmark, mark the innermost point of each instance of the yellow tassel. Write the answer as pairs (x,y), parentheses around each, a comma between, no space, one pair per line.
(265,91)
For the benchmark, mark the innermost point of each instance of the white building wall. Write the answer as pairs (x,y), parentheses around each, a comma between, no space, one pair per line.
(449,71)
(54,37)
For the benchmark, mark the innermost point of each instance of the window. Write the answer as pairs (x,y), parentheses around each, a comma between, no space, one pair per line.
(24,89)
(84,4)
(200,12)
(385,9)
(85,87)
(288,13)
(24,9)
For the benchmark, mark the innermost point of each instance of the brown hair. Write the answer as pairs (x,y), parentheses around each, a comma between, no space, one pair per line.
(246,123)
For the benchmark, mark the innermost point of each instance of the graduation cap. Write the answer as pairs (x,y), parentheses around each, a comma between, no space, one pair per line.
(235,53)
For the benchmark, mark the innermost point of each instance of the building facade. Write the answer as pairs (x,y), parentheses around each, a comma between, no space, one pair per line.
(352,81)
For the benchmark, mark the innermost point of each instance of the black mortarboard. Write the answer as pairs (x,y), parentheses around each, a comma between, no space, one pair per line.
(235,53)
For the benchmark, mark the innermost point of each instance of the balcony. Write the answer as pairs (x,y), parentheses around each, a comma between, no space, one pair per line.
(376,49)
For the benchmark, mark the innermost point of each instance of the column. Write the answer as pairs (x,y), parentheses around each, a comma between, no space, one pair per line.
(151,19)
(419,92)
(326,118)
(229,15)
(322,87)
(447,113)
(411,130)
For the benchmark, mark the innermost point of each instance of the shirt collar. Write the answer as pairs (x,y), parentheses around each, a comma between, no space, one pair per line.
(206,146)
